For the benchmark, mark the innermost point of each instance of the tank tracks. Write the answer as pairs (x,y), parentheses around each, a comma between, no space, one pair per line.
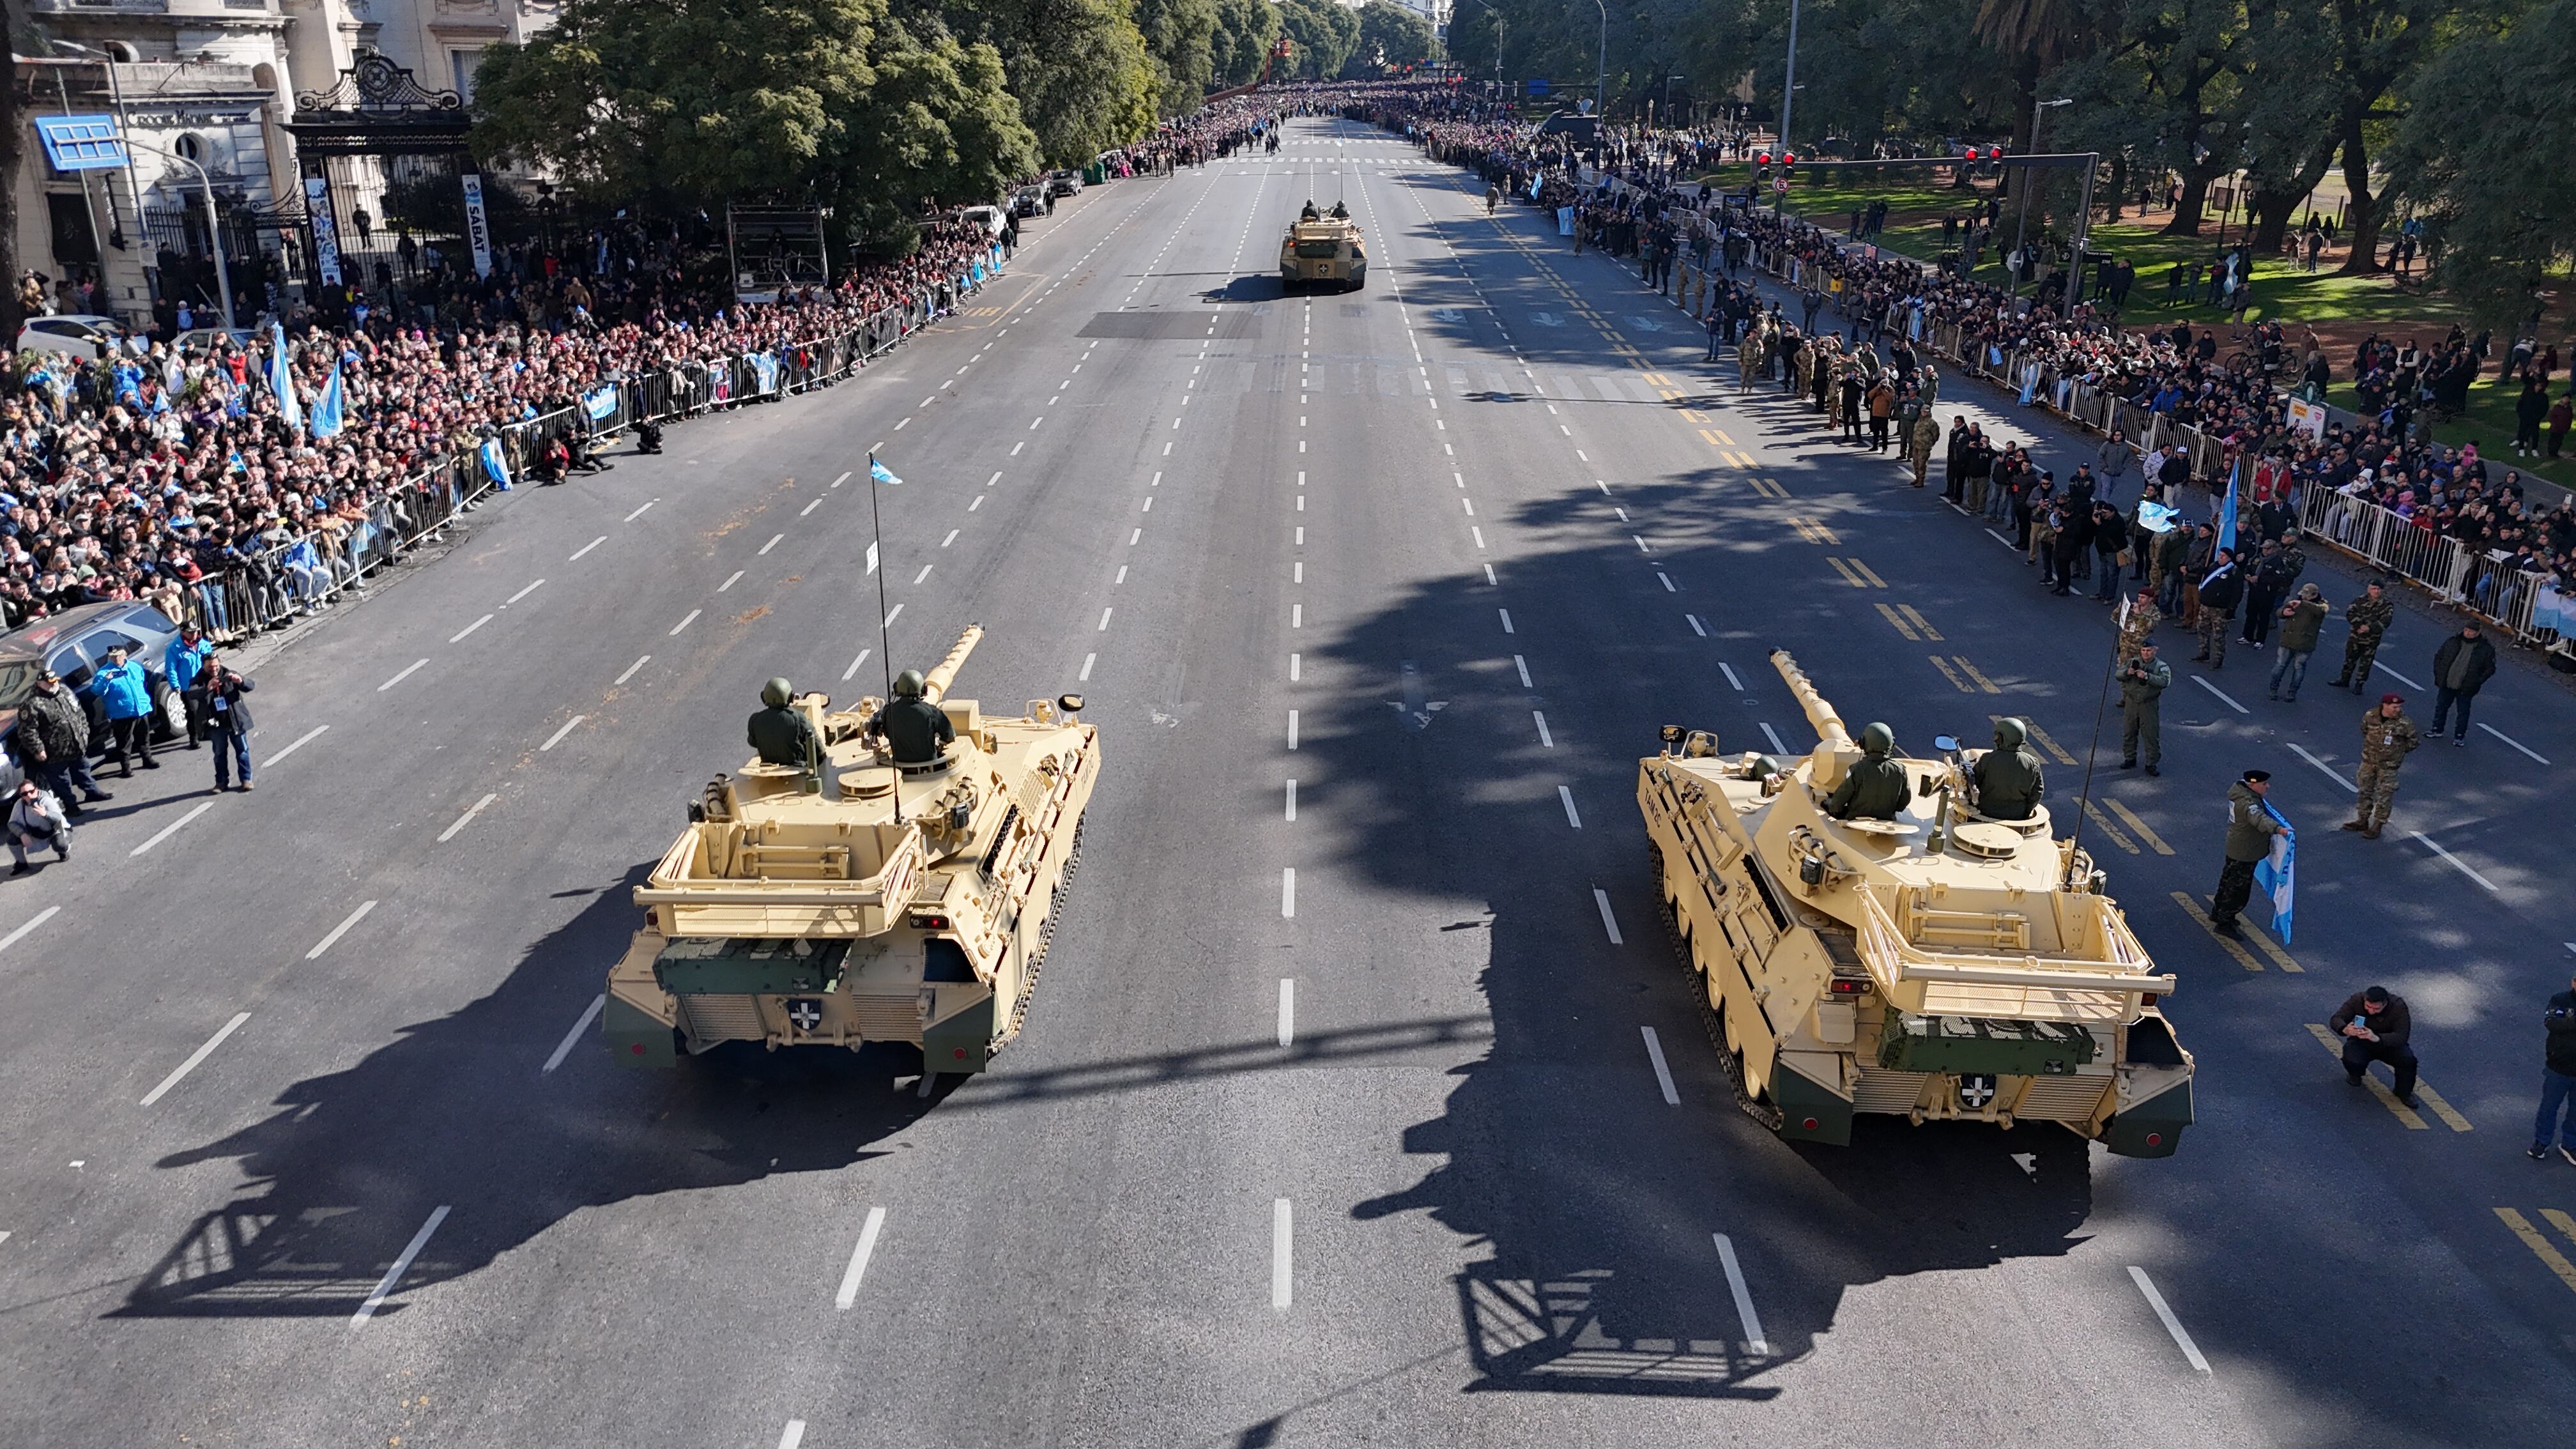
(1046,941)
(1766,1113)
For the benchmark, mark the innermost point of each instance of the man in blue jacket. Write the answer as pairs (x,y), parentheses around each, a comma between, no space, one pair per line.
(125,692)
(187,655)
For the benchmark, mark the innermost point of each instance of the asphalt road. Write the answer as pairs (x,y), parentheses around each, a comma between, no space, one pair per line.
(1362,1102)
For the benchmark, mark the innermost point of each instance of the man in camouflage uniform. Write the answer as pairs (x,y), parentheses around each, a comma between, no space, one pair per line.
(2141,626)
(2387,736)
(1927,436)
(2219,592)
(2370,615)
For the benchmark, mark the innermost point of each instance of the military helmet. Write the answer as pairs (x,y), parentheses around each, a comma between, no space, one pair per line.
(2009,733)
(1878,739)
(777,691)
(909,684)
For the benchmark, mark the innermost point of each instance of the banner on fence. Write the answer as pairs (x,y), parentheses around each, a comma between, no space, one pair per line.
(601,404)
(326,238)
(765,365)
(2309,418)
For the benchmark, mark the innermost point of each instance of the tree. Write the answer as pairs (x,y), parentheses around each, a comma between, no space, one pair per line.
(13,315)
(1084,78)
(2036,36)
(1180,35)
(2167,90)
(1244,31)
(1324,35)
(1389,35)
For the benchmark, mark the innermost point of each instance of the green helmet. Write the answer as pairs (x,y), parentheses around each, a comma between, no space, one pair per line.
(1878,739)
(909,684)
(777,691)
(2009,734)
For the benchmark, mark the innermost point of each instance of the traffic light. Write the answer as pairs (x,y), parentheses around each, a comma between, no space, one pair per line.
(1788,163)
(1762,167)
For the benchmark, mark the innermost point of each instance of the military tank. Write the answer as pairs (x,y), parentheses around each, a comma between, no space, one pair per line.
(855,899)
(1933,965)
(1323,250)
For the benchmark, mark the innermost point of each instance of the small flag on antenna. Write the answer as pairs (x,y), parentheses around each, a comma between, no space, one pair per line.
(883,474)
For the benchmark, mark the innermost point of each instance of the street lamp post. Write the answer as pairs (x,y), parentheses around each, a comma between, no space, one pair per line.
(1601,77)
(2021,213)
(1789,82)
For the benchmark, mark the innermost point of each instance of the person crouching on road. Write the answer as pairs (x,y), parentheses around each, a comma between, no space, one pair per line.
(36,818)
(126,693)
(2374,1025)
(228,721)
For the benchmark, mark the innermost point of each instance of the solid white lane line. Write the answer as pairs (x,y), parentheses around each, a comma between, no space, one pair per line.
(2510,740)
(172,828)
(2461,865)
(2173,1325)
(20,934)
(2203,682)
(2330,772)
(734,579)
(890,615)
(402,1265)
(195,1058)
(1663,1073)
(1288,893)
(684,623)
(1754,1343)
(810,507)
(793,1436)
(1282,1253)
(466,819)
(523,593)
(342,929)
(587,547)
(300,742)
(859,1256)
(1292,799)
(1773,736)
(468,629)
(1287,1010)
(1544,737)
(639,511)
(399,678)
(631,668)
(1609,922)
(556,738)
(563,1048)
(1565,796)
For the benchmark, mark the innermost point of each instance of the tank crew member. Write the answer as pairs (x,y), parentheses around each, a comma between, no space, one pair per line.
(2368,618)
(2143,682)
(2007,777)
(914,728)
(782,733)
(1341,212)
(1308,212)
(1877,786)
(2250,828)
(2388,735)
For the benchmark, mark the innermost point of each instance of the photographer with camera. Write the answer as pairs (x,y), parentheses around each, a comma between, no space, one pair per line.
(218,700)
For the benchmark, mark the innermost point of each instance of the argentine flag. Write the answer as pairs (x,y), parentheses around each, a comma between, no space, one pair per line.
(331,408)
(880,473)
(2279,874)
(2227,509)
(281,378)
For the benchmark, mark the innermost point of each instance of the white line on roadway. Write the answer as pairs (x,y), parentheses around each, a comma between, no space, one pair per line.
(194,1058)
(951,538)
(1523,666)
(1293,667)
(2203,682)
(2400,678)
(844,478)
(523,593)
(468,629)
(1292,799)
(1544,738)
(1087,661)
(1663,1073)
(465,819)
(2173,1325)
(1609,922)
(925,572)
(172,828)
(1729,671)
(402,1265)
(1666,580)
(730,582)
(773,543)
(2461,865)
(1773,736)
(563,1048)
(399,678)
(556,738)
(1696,626)
(300,742)
(639,511)
(2330,772)
(47,914)
(1288,893)
(1282,1253)
(1104,620)
(2006,542)
(587,547)
(859,1256)
(684,623)
(631,668)
(1566,797)
(342,929)
(2510,740)
(793,1436)
(1754,1342)
(810,507)
(1287,1010)
(1507,619)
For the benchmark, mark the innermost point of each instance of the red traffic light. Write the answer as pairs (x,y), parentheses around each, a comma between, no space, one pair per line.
(1763,159)
(1788,160)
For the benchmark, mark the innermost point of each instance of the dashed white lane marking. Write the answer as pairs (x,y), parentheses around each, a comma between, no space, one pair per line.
(1523,666)
(891,614)
(684,623)
(465,819)
(399,678)
(844,478)
(1282,1253)
(1696,626)
(1104,620)
(1773,736)
(1663,1073)
(1288,892)
(846,674)
(810,507)
(2203,682)
(631,668)
(1292,729)
(1507,619)
(306,738)
(195,1059)
(1609,922)
(730,581)
(1754,1343)
(564,1048)
(1544,738)
(468,629)
(556,738)
(402,1265)
(1666,580)
(1296,616)
(342,929)
(523,593)
(859,1256)
(978,503)
(951,538)
(587,547)
(773,543)
(2458,864)
(2330,772)
(172,828)
(639,509)
(2173,1325)
(20,934)
(1565,796)
(2510,740)
(925,573)
(1292,800)
(1287,1010)
(1731,681)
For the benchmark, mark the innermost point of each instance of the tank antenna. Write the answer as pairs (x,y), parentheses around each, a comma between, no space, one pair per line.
(2093,751)
(885,649)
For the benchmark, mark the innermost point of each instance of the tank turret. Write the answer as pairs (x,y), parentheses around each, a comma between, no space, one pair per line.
(862,899)
(1924,962)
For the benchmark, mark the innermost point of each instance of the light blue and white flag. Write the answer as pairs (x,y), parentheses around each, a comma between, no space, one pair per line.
(880,473)
(2227,509)
(601,404)
(281,378)
(330,410)
(2156,518)
(764,365)
(496,464)
(2279,875)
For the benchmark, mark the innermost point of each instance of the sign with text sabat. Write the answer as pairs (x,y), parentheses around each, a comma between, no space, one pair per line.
(478,225)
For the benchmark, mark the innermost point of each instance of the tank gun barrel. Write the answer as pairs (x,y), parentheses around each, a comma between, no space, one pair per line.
(934,685)
(1828,725)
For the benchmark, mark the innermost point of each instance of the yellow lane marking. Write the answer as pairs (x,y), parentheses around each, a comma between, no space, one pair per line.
(1988,685)
(1723,438)
(1816,532)
(2191,908)
(2386,1097)
(1928,631)
(1898,620)
(1740,460)
(2442,1109)
(2056,751)
(2279,957)
(1670,395)
(1875,581)
(1770,488)
(2156,843)
(1658,379)
(1952,675)
(2540,1246)
(2103,822)
(1853,579)
(1708,437)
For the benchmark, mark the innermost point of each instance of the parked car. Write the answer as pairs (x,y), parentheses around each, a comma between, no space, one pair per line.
(990,218)
(1063,183)
(75,334)
(1032,200)
(199,339)
(74,642)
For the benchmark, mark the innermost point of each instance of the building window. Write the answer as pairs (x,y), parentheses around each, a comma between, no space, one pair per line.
(189,147)
(462,65)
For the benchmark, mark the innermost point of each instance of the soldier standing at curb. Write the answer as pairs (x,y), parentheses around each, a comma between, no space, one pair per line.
(2220,588)
(2143,682)
(2369,616)
(2141,626)
(2250,828)
(1927,435)
(2388,736)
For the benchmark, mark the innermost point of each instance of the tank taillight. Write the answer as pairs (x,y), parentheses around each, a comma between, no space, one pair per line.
(1849,986)
(930,923)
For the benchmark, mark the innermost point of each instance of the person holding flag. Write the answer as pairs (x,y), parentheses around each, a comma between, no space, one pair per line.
(2251,825)
(330,407)
(281,377)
